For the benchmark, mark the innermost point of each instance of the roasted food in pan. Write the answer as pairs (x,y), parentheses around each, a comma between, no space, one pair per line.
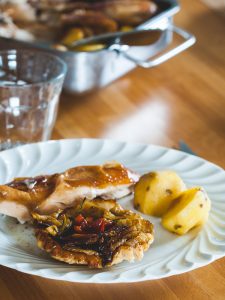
(63,16)
(97,233)
(96,21)
(127,12)
(9,29)
(47,194)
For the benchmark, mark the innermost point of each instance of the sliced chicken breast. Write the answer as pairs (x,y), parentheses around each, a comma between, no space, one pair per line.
(47,194)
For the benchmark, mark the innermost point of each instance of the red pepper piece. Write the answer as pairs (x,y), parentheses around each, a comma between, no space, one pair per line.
(97,225)
(77,228)
(79,219)
(102,226)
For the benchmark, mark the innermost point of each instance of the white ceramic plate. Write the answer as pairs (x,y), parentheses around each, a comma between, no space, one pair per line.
(169,253)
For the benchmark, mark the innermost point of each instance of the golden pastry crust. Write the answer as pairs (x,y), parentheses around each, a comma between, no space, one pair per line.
(78,256)
(127,238)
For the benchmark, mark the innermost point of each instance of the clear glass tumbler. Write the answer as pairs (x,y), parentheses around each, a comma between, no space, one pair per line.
(30,85)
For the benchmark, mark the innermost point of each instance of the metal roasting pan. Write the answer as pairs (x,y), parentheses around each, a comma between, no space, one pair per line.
(88,71)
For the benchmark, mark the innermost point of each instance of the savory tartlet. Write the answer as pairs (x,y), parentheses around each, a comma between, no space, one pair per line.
(97,233)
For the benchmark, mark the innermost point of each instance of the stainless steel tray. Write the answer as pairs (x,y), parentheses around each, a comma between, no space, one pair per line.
(88,71)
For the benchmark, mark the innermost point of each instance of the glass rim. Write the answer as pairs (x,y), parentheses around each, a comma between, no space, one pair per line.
(51,80)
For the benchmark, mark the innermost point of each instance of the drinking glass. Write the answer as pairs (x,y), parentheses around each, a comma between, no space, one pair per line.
(30,86)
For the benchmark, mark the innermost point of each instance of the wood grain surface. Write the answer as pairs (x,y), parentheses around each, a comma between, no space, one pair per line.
(181,99)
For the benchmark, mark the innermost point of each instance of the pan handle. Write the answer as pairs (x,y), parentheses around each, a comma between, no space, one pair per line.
(149,63)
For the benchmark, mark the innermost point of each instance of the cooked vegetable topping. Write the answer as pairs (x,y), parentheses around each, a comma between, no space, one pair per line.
(92,227)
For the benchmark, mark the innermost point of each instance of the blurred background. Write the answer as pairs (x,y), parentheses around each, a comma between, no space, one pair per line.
(182,99)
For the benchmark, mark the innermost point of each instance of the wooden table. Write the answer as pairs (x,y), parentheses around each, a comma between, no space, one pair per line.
(182,99)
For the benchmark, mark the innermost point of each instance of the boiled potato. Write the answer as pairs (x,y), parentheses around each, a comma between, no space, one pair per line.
(155,191)
(189,210)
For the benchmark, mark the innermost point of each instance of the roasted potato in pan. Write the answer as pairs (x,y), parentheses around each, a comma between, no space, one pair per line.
(189,210)
(73,35)
(155,192)
(89,47)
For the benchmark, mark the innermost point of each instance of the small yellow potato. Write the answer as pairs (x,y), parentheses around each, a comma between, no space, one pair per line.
(73,35)
(59,47)
(189,210)
(155,192)
(89,47)
(126,28)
